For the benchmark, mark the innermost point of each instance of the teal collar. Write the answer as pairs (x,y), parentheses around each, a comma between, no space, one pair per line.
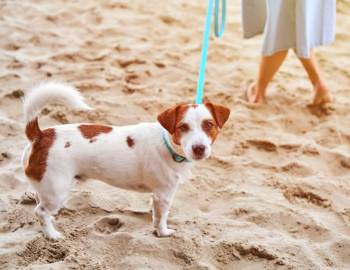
(176,157)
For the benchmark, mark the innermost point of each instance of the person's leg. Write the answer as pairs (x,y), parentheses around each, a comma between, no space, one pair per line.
(268,68)
(322,94)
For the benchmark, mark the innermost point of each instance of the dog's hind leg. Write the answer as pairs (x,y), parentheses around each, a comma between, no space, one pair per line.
(52,193)
(45,218)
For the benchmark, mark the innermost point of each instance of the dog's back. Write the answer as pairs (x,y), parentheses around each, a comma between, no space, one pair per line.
(112,154)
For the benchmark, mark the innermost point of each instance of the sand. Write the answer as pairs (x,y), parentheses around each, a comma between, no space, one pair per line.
(274,195)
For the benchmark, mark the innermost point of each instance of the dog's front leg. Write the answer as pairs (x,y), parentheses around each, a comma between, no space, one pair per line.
(162,200)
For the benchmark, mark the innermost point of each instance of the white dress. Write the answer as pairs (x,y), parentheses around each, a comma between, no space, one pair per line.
(295,24)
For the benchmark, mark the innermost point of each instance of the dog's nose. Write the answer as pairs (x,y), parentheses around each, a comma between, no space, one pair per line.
(198,149)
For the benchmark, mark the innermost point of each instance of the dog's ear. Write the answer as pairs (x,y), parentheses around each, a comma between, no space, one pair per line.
(168,119)
(220,113)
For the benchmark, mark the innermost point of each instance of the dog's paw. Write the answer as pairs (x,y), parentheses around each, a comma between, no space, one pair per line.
(164,232)
(53,235)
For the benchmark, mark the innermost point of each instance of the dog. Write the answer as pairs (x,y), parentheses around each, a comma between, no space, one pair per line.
(148,157)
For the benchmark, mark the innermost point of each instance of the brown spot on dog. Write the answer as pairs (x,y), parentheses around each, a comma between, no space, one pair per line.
(90,131)
(67,145)
(143,187)
(220,113)
(171,120)
(32,130)
(210,128)
(92,140)
(41,145)
(130,141)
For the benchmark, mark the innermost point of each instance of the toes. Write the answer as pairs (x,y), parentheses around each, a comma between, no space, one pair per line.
(322,99)
(53,235)
(164,232)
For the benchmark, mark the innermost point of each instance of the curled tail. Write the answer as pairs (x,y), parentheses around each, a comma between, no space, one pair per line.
(48,93)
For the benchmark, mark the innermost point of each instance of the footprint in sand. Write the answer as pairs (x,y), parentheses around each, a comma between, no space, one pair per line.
(124,63)
(226,252)
(108,225)
(27,198)
(296,168)
(170,20)
(15,94)
(263,145)
(294,193)
(4,156)
(60,117)
(132,78)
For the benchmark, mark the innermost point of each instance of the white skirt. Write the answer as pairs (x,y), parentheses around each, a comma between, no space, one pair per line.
(290,24)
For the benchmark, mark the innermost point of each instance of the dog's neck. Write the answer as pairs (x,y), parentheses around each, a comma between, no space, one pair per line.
(176,148)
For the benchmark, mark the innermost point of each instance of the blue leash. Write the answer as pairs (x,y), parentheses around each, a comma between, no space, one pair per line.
(218,32)
(201,77)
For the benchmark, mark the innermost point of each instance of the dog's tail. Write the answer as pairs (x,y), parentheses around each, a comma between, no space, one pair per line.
(48,93)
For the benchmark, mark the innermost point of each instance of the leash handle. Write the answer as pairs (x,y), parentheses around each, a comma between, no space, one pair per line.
(218,33)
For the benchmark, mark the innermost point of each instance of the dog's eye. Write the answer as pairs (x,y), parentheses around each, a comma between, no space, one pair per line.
(184,127)
(208,125)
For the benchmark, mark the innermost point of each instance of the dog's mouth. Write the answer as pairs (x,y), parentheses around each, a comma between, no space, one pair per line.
(197,158)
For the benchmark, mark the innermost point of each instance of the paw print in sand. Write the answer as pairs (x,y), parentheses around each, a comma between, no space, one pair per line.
(108,225)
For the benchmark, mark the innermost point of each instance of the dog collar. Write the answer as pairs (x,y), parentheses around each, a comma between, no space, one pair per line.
(176,157)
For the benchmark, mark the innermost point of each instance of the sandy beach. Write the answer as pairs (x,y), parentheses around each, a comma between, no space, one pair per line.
(274,195)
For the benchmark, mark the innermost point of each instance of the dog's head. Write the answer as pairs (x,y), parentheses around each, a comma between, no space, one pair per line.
(194,127)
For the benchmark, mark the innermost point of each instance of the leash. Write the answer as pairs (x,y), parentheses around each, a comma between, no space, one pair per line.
(218,33)
(219,30)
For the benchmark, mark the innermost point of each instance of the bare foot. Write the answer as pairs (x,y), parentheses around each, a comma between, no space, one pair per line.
(252,95)
(322,96)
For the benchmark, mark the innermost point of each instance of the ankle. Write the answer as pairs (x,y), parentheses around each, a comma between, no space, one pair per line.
(320,87)
(318,81)
(260,90)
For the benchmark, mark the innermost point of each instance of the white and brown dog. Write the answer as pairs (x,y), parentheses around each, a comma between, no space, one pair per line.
(148,157)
